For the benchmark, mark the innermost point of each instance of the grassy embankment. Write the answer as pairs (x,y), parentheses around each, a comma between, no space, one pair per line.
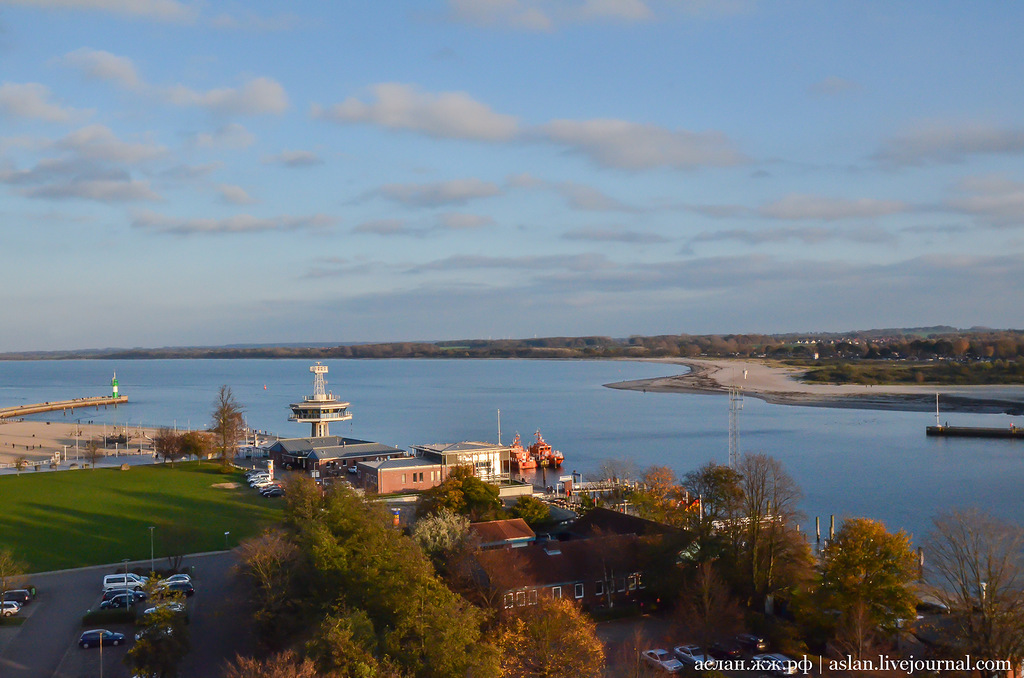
(67,519)
(944,373)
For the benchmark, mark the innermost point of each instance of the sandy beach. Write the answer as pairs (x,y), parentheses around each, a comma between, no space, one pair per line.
(780,385)
(38,441)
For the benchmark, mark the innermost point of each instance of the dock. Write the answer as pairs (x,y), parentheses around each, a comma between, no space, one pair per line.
(975,432)
(56,405)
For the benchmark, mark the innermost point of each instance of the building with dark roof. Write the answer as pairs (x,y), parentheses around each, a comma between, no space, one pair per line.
(491,463)
(331,455)
(399,474)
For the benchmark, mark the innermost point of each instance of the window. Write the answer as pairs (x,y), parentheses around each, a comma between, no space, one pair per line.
(632,582)
(556,591)
(403,478)
(599,588)
(510,600)
(520,598)
(532,596)
(578,592)
(622,584)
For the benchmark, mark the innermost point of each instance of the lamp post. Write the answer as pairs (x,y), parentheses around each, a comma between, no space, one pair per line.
(226,540)
(152,569)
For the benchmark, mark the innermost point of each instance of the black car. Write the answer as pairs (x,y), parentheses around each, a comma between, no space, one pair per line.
(179,587)
(136,595)
(726,650)
(273,492)
(121,600)
(98,637)
(752,643)
(20,596)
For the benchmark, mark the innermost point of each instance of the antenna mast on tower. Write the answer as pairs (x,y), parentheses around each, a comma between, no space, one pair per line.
(735,405)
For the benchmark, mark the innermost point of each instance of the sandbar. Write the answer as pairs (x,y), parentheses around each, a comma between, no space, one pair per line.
(780,385)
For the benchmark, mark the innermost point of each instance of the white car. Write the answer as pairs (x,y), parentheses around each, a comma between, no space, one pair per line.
(9,608)
(690,654)
(663,660)
(775,664)
(178,577)
(173,607)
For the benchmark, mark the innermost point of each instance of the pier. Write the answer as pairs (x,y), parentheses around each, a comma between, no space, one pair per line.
(975,432)
(53,406)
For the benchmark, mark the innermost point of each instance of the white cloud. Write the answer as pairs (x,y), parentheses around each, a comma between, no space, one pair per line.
(294,159)
(458,221)
(257,96)
(100,65)
(230,136)
(100,190)
(809,235)
(235,195)
(32,100)
(507,13)
(588,198)
(162,10)
(447,115)
(615,235)
(993,198)
(950,143)
(795,207)
(629,145)
(98,142)
(241,223)
(629,10)
(455,192)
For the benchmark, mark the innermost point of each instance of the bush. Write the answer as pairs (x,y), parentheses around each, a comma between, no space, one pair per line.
(102,617)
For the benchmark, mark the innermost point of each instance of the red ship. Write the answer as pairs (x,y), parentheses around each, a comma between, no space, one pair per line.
(521,459)
(543,454)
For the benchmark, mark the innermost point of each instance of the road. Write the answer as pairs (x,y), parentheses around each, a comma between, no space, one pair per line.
(46,645)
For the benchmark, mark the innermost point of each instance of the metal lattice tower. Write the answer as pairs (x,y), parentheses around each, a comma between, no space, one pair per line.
(319,383)
(735,405)
(321,408)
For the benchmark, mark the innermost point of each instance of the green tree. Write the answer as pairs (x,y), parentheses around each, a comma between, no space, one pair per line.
(463,493)
(271,562)
(441,535)
(548,640)
(228,425)
(163,639)
(283,665)
(532,510)
(196,444)
(866,574)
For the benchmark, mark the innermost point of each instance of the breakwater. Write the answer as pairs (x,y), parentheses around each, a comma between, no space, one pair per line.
(58,405)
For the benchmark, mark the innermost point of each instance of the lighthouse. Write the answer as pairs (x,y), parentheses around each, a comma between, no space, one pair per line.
(113,387)
(321,408)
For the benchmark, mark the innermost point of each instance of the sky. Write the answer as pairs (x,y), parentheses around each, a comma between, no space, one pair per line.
(178,173)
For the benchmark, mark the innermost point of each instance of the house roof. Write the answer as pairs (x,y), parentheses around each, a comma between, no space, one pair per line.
(402,462)
(464,446)
(497,532)
(557,563)
(602,521)
(332,447)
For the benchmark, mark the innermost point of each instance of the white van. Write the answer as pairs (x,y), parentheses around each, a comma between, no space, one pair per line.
(121,581)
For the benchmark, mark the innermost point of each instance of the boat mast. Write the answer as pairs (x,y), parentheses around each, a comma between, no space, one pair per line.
(499,427)
(937,409)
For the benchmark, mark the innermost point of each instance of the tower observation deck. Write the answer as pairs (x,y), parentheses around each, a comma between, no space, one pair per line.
(321,408)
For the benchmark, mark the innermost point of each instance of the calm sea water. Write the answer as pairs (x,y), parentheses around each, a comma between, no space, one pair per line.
(848,462)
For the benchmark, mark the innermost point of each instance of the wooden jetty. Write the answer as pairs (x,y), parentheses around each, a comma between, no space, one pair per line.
(975,432)
(53,406)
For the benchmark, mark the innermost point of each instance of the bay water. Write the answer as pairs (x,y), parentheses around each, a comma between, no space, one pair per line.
(877,464)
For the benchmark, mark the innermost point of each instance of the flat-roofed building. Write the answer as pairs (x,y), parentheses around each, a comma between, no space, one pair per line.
(331,455)
(490,463)
(399,475)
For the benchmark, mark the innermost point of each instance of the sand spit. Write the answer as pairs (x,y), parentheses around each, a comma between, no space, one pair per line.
(778,384)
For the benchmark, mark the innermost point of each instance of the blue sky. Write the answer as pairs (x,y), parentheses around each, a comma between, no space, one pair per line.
(177,173)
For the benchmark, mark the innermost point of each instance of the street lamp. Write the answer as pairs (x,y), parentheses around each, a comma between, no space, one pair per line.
(226,540)
(152,569)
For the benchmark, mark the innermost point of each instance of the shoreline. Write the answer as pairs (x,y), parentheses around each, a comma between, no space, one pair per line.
(779,385)
(39,440)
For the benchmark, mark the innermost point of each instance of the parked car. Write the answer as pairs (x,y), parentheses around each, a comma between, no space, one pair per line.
(776,664)
(261,483)
(98,637)
(690,654)
(21,596)
(662,660)
(752,643)
(273,492)
(119,601)
(136,595)
(178,577)
(124,581)
(172,606)
(178,587)
(9,608)
(726,649)
(155,632)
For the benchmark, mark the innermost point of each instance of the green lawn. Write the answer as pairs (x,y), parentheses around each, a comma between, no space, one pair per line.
(66,519)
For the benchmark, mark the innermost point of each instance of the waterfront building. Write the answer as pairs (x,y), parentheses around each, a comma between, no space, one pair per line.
(490,462)
(321,408)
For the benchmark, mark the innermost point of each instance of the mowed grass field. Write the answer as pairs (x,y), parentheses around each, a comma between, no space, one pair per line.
(67,519)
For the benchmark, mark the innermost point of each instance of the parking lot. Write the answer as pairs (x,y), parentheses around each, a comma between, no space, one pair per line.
(46,645)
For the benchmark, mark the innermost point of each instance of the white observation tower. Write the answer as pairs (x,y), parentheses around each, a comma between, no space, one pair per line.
(321,408)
